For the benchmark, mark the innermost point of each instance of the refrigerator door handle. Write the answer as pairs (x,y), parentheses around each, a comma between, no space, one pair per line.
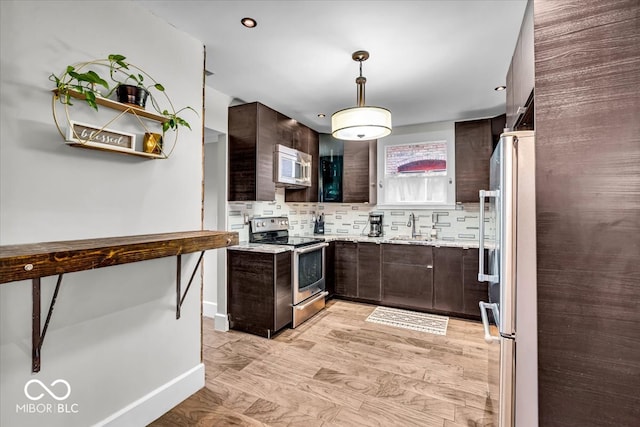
(482,276)
(485,320)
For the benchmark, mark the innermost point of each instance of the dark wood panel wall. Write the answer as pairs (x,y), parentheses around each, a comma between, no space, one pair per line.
(587,108)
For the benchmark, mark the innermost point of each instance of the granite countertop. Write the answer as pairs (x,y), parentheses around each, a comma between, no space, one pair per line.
(399,240)
(257,247)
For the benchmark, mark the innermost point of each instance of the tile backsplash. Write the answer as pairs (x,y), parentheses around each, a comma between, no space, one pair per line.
(349,219)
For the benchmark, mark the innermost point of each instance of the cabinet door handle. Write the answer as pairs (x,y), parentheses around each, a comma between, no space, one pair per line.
(429,266)
(320,296)
(482,276)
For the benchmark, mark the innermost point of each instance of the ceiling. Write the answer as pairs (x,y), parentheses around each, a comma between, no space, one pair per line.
(430,60)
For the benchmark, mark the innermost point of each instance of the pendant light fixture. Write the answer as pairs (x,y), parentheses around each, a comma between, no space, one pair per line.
(362,122)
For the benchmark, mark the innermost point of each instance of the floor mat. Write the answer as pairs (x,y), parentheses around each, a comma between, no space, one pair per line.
(407,319)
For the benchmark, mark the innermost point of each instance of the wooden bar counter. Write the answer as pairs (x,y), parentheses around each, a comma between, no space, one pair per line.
(36,260)
(29,261)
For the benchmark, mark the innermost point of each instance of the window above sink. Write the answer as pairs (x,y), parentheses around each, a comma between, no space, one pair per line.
(416,167)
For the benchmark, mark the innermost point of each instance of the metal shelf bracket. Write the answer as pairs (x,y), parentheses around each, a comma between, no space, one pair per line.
(37,334)
(179,296)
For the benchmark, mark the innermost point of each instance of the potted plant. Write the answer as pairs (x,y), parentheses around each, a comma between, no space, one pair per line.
(134,93)
(121,73)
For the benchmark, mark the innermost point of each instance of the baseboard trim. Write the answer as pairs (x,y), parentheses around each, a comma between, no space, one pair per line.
(221,323)
(148,408)
(209,309)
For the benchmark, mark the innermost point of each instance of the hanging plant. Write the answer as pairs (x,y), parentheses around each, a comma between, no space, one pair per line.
(88,84)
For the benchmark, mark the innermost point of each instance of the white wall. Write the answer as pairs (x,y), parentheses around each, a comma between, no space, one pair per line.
(216,109)
(113,335)
(215,201)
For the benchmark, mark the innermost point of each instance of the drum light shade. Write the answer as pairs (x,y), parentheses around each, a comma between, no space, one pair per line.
(363,122)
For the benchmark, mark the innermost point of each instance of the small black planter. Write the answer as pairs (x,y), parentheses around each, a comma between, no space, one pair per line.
(134,95)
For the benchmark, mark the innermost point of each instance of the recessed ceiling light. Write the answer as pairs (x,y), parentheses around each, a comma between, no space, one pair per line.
(249,22)
(499,88)
(321,115)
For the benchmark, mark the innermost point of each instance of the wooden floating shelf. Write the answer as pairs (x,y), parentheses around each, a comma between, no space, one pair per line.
(127,108)
(103,147)
(30,261)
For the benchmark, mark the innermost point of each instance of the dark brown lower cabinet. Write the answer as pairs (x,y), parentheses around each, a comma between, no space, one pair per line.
(357,270)
(369,271)
(455,283)
(447,280)
(407,276)
(259,291)
(473,291)
(346,269)
(439,279)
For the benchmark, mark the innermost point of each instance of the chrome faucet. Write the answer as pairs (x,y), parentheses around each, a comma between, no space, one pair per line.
(412,224)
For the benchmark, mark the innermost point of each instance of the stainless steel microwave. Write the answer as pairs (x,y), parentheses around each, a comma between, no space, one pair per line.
(291,168)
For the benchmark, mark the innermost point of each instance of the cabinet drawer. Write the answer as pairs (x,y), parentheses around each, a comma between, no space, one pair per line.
(407,254)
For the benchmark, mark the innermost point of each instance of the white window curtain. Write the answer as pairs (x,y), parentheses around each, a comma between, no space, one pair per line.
(415,189)
(415,173)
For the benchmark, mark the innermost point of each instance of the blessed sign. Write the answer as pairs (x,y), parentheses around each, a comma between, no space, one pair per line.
(92,135)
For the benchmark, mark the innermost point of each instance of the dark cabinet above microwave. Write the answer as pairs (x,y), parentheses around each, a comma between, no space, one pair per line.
(254,132)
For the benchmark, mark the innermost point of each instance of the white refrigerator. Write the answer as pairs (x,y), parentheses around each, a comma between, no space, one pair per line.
(510,243)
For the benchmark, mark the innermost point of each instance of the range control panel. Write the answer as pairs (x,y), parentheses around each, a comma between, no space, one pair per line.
(260,224)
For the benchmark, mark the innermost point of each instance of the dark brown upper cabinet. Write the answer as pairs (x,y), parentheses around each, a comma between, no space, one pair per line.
(288,133)
(253,133)
(520,77)
(360,172)
(254,130)
(474,145)
(308,141)
(347,170)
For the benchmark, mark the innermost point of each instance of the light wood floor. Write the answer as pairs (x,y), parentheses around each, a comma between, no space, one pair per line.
(338,370)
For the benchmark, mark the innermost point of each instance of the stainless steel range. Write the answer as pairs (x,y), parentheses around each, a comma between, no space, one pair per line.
(307,264)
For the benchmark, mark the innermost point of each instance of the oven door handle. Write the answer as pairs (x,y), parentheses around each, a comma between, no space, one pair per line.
(306,249)
(320,296)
